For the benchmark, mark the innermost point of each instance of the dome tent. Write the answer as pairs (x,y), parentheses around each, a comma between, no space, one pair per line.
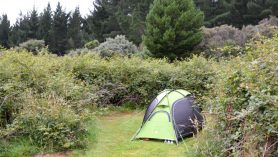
(172,116)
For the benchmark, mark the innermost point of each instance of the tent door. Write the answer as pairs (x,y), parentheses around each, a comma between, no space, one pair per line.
(158,126)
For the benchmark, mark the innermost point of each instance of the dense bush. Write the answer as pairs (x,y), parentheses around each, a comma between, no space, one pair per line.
(119,45)
(222,35)
(33,45)
(248,96)
(245,99)
(92,44)
(226,41)
(52,117)
(50,123)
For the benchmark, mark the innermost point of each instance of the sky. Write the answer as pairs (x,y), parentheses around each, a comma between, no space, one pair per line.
(13,7)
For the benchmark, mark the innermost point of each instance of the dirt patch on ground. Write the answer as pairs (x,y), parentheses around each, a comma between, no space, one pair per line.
(62,154)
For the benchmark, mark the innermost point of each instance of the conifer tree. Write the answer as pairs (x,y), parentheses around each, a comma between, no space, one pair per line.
(244,12)
(19,31)
(103,21)
(173,28)
(33,25)
(4,31)
(75,39)
(45,24)
(58,43)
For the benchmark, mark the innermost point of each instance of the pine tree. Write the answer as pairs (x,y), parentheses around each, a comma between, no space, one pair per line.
(216,12)
(131,17)
(74,30)
(173,28)
(20,30)
(58,43)
(45,24)
(244,12)
(33,25)
(4,31)
(103,22)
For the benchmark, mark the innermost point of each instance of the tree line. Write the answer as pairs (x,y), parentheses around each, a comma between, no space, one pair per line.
(63,31)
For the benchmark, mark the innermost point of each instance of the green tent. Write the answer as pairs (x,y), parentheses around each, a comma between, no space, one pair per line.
(171,116)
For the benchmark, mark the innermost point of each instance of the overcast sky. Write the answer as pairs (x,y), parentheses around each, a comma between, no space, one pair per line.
(13,7)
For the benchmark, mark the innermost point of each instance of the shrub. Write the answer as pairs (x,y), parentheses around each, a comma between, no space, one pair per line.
(92,44)
(33,45)
(266,28)
(50,123)
(220,36)
(246,100)
(228,41)
(121,80)
(119,45)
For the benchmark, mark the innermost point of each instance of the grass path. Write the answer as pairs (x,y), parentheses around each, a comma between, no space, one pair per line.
(115,132)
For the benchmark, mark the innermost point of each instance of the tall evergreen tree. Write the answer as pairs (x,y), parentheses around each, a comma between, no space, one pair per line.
(4,31)
(58,43)
(131,17)
(103,22)
(244,12)
(19,31)
(216,12)
(45,24)
(33,24)
(173,28)
(75,39)
(113,17)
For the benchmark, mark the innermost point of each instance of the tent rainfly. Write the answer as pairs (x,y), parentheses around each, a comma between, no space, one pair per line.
(171,116)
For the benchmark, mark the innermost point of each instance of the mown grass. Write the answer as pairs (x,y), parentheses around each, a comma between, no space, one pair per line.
(114,139)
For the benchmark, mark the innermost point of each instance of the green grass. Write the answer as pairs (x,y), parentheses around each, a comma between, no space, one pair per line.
(17,148)
(114,139)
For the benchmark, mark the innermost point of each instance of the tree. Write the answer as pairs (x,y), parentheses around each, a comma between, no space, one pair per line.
(19,31)
(74,30)
(173,28)
(131,15)
(115,17)
(103,22)
(4,31)
(216,12)
(58,43)
(45,24)
(244,12)
(33,24)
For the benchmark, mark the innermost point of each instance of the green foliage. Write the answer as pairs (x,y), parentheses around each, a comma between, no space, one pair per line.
(75,36)
(246,100)
(173,28)
(45,24)
(58,42)
(244,12)
(41,101)
(112,17)
(33,45)
(92,44)
(244,104)
(50,123)
(216,12)
(33,24)
(4,31)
